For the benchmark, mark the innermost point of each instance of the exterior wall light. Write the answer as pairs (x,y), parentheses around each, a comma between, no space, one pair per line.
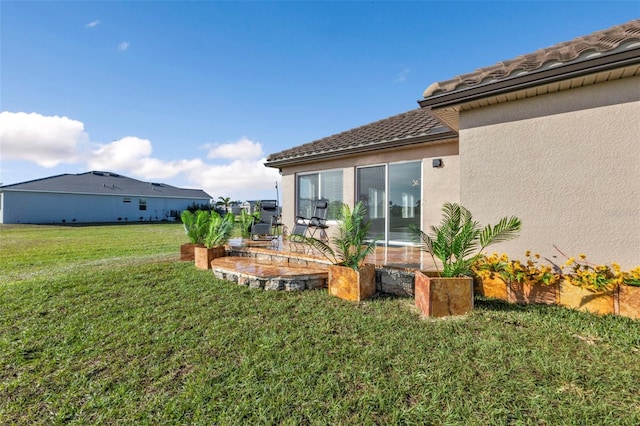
(437,162)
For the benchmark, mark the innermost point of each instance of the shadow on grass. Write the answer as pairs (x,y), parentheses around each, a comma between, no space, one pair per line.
(501,305)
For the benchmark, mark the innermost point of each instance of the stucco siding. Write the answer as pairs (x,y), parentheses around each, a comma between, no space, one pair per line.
(567,164)
(46,208)
(438,184)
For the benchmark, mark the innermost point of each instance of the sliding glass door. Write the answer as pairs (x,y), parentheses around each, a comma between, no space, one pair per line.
(371,190)
(404,200)
(392,195)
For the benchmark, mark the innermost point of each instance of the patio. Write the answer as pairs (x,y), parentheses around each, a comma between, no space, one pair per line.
(280,265)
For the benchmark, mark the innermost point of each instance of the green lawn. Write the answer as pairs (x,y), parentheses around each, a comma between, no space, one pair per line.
(104,325)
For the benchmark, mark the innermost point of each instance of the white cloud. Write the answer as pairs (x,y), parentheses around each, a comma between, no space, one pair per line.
(123,154)
(93,24)
(44,140)
(123,46)
(245,177)
(242,149)
(133,155)
(402,76)
(240,179)
(154,168)
(49,141)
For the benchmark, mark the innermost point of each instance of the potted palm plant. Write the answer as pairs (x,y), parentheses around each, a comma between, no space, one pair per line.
(219,231)
(349,277)
(195,227)
(456,243)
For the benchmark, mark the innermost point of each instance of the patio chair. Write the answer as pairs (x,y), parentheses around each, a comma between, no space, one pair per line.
(269,225)
(307,227)
(318,222)
(296,238)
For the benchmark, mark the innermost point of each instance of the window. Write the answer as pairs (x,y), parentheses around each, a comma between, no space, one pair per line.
(126,200)
(319,186)
(143,204)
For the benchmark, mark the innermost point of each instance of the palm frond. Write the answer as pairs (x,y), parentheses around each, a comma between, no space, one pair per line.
(325,249)
(425,242)
(459,239)
(352,244)
(505,230)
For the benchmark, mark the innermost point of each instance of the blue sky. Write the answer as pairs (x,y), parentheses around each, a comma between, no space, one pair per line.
(197,94)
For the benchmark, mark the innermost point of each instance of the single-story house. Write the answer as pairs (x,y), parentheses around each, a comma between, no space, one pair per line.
(94,197)
(552,137)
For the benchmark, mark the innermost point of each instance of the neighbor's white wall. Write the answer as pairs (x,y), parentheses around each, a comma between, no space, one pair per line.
(567,164)
(48,208)
(438,184)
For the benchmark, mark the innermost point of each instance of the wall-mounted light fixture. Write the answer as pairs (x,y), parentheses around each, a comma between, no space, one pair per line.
(437,162)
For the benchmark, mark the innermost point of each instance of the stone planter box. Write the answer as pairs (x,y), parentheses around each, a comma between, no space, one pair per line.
(204,256)
(348,284)
(441,297)
(628,301)
(187,252)
(526,293)
(495,287)
(574,297)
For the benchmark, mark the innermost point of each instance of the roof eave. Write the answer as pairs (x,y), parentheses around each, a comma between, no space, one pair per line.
(442,135)
(599,64)
(121,194)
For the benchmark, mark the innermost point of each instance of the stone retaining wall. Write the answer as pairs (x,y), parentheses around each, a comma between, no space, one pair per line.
(389,280)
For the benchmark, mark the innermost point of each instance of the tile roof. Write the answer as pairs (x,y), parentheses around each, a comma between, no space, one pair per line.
(397,130)
(104,183)
(598,44)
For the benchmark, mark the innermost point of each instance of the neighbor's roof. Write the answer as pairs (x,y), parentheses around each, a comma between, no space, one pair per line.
(104,183)
(604,50)
(403,129)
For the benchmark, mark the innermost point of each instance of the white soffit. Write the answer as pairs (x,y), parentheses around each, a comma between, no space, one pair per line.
(450,114)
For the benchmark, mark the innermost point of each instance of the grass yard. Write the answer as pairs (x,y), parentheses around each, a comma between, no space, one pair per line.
(104,325)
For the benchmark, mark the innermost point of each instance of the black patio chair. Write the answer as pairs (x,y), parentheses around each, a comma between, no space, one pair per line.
(297,237)
(307,227)
(269,225)
(318,222)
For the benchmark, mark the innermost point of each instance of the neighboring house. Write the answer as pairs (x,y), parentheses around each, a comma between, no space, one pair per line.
(238,207)
(94,197)
(552,137)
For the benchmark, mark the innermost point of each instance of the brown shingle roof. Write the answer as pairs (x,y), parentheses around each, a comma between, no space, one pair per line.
(398,130)
(582,48)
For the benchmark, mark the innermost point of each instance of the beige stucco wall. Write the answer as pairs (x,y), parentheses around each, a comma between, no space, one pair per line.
(438,184)
(567,164)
